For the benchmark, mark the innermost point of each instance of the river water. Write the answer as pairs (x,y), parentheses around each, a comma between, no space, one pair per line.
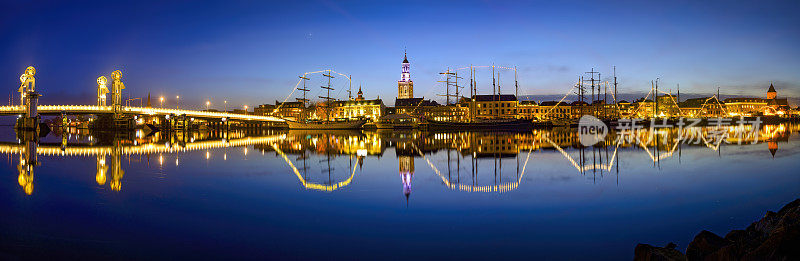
(381,194)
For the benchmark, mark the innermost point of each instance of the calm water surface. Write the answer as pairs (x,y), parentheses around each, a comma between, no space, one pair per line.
(388,195)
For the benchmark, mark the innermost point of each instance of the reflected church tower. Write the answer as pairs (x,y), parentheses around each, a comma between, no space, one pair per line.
(406,173)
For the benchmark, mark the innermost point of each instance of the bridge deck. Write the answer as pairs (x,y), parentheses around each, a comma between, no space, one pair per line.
(92,109)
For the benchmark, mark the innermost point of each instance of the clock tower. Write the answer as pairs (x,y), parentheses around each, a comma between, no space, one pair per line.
(405,86)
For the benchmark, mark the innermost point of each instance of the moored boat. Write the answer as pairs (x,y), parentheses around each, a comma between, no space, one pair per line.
(326,125)
(396,121)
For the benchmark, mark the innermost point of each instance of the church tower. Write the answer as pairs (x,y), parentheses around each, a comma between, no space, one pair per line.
(771,93)
(405,86)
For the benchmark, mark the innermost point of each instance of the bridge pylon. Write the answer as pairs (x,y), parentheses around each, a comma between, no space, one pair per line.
(116,91)
(29,100)
(102,90)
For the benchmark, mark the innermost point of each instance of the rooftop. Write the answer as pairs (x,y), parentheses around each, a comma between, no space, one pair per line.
(501,97)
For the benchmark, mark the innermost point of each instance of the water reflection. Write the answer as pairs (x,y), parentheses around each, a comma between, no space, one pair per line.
(462,167)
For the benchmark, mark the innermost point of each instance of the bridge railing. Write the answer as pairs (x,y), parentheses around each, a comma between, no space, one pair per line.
(200,114)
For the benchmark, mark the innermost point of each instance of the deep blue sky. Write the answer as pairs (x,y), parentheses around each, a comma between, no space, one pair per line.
(252,53)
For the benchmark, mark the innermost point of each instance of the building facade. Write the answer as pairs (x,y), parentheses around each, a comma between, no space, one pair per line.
(492,106)
(745,107)
(553,110)
(358,108)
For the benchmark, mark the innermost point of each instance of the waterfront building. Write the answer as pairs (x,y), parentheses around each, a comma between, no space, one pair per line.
(601,109)
(452,113)
(745,106)
(579,108)
(668,106)
(703,107)
(643,109)
(625,109)
(492,106)
(413,106)
(775,105)
(263,109)
(289,110)
(527,110)
(358,108)
(553,110)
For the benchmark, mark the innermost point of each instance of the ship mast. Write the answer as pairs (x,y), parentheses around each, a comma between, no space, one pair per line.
(448,75)
(494,83)
(350,88)
(305,90)
(615,92)
(592,80)
(516,83)
(328,96)
(473,91)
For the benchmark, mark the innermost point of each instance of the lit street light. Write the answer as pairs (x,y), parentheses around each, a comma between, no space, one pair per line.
(162,101)
(177,104)
(207,104)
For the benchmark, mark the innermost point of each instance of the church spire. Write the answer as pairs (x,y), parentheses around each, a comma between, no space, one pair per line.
(360,94)
(405,86)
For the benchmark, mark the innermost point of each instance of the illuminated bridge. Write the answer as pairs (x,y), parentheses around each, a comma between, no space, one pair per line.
(93,109)
(29,109)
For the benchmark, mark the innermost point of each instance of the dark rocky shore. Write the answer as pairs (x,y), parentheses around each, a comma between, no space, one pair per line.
(774,237)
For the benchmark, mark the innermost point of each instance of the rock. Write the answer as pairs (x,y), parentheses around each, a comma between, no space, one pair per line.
(704,244)
(645,252)
(782,244)
(775,237)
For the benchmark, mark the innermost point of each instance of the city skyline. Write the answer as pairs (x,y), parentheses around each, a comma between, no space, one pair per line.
(161,49)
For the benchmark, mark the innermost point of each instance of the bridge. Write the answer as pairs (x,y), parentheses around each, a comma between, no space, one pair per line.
(117,115)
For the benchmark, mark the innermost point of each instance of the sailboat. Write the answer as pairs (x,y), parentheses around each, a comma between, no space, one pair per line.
(305,124)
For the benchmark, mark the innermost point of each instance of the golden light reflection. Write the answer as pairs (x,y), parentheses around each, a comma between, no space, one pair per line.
(658,145)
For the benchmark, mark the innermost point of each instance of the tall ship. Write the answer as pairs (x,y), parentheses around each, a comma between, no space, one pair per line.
(485,112)
(302,123)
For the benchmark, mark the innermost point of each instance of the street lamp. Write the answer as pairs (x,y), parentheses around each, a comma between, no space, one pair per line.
(177,104)
(226,106)
(245,109)
(162,101)
(207,104)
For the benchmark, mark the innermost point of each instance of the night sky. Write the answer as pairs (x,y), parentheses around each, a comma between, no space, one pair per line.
(252,52)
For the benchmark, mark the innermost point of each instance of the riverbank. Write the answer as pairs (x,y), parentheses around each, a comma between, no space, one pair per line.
(775,237)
